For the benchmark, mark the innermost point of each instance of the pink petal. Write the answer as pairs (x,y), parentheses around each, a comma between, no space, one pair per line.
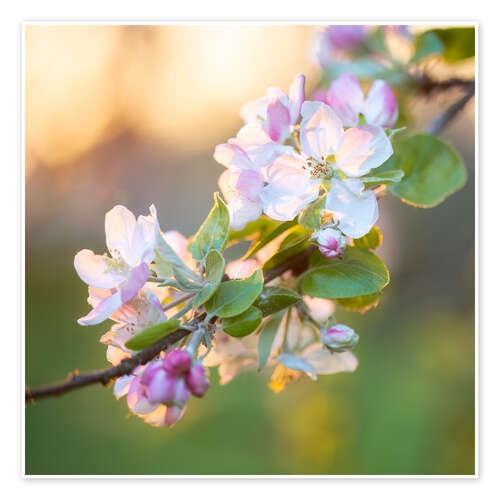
(346,98)
(381,106)
(103,311)
(363,149)
(278,120)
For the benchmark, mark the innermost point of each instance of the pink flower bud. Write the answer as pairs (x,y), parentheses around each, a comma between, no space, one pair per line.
(345,36)
(331,242)
(197,380)
(340,338)
(177,362)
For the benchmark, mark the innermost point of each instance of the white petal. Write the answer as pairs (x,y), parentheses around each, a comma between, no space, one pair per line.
(298,363)
(256,110)
(120,225)
(93,270)
(231,155)
(321,130)
(289,188)
(122,385)
(296,97)
(356,210)
(363,148)
(326,362)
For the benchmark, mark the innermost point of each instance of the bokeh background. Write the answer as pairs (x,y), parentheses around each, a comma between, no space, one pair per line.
(130,115)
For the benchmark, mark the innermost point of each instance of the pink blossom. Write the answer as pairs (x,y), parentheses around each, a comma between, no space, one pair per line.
(131,246)
(340,338)
(197,380)
(346,98)
(338,43)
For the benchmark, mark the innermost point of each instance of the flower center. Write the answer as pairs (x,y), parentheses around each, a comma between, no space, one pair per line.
(318,169)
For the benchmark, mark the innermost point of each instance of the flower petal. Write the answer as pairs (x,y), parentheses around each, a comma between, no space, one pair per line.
(94,270)
(356,209)
(297,363)
(137,278)
(103,310)
(363,148)
(346,98)
(255,110)
(278,121)
(381,106)
(122,385)
(231,155)
(289,190)
(321,130)
(120,225)
(327,363)
(296,96)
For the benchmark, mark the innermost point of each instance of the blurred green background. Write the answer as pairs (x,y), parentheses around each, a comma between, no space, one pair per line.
(131,116)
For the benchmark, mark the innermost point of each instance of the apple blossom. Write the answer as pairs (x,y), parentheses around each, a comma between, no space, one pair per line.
(131,246)
(346,98)
(339,42)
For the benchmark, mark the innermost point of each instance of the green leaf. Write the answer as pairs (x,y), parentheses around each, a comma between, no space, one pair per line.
(426,44)
(150,335)
(243,324)
(213,233)
(253,229)
(310,217)
(295,242)
(275,298)
(459,43)
(433,170)
(376,41)
(387,177)
(266,338)
(364,69)
(369,241)
(268,237)
(167,261)
(359,272)
(235,296)
(360,304)
(215,266)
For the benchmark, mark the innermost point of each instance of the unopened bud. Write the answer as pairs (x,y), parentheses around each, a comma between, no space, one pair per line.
(340,338)
(177,362)
(331,242)
(197,380)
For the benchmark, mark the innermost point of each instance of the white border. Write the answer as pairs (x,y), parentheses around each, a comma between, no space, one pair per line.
(24,24)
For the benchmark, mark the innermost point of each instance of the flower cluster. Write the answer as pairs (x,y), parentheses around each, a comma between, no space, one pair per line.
(291,151)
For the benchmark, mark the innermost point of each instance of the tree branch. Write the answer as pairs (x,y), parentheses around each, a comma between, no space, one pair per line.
(127,366)
(440,122)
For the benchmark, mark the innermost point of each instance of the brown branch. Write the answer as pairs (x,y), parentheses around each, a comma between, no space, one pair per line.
(127,366)
(440,122)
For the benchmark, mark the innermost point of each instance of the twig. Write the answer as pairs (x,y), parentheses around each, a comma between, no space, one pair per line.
(439,123)
(127,366)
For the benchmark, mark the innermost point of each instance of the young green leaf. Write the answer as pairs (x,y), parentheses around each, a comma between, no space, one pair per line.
(214,270)
(433,170)
(166,260)
(295,242)
(371,240)
(310,217)
(150,335)
(459,43)
(359,272)
(426,44)
(266,338)
(214,231)
(235,296)
(253,229)
(275,298)
(360,304)
(268,237)
(387,177)
(243,324)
